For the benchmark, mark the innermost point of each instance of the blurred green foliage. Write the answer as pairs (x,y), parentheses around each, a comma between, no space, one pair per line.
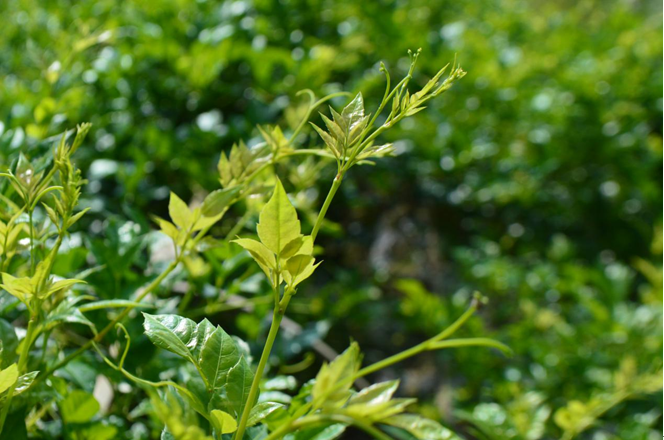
(536,180)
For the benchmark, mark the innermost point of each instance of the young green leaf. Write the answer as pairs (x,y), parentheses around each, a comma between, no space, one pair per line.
(261,254)
(179,212)
(298,269)
(8,377)
(326,391)
(278,224)
(223,422)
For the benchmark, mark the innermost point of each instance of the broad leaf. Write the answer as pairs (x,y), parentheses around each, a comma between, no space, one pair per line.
(240,378)
(278,224)
(9,343)
(209,348)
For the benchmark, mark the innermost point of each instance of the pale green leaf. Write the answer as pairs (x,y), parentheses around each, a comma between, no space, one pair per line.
(299,268)
(8,377)
(179,212)
(261,254)
(375,394)
(326,390)
(223,422)
(278,224)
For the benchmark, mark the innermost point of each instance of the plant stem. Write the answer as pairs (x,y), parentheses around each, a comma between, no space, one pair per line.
(328,200)
(99,336)
(277,316)
(32,244)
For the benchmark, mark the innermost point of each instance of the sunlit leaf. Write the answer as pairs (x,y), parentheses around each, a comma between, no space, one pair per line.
(278,224)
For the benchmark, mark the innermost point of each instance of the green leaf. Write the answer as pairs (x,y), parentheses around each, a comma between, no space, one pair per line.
(261,411)
(302,245)
(21,288)
(8,377)
(322,433)
(421,427)
(24,381)
(329,141)
(217,201)
(167,227)
(223,422)
(79,407)
(209,348)
(170,333)
(9,343)
(261,254)
(66,312)
(61,285)
(299,268)
(375,394)
(353,113)
(326,390)
(278,224)
(179,212)
(239,384)
(76,217)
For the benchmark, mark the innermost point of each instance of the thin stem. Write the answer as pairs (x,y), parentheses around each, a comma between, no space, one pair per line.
(32,243)
(427,345)
(99,336)
(277,316)
(328,200)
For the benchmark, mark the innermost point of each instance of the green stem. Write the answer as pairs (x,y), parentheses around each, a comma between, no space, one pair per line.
(32,244)
(277,316)
(429,344)
(328,200)
(99,336)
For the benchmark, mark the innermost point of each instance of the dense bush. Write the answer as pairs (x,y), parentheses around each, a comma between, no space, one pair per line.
(536,180)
